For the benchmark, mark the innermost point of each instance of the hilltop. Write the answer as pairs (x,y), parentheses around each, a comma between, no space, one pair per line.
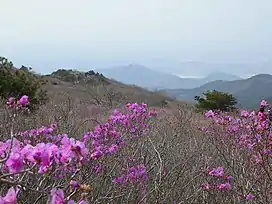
(215,76)
(248,92)
(96,89)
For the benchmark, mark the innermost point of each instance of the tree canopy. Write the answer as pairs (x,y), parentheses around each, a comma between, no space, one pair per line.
(215,100)
(18,82)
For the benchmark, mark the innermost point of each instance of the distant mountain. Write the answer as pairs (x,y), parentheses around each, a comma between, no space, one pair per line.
(201,68)
(248,92)
(214,76)
(142,76)
(139,75)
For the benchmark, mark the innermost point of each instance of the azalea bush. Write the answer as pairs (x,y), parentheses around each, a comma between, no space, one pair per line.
(136,156)
(244,148)
(52,167)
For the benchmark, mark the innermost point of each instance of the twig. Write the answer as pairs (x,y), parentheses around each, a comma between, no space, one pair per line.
(159,156)
(11,144)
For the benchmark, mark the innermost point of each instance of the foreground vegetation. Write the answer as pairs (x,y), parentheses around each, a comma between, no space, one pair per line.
(60,152)
(130,159)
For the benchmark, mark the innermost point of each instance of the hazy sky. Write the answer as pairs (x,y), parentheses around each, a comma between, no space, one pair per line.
(88,34)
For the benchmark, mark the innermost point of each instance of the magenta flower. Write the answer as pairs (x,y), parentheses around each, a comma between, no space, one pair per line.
(260,115)
(249,197)
(3,148)
(228,186)
(229,178)
(257,158)
(218,172)
(72,148)
(206,186)
(24,101)
(264,103)
(99,169)
(41,154)
(10,197)
(120,180)
(97,154)
(267,151)
(11,102)
(27,152)
(224,186)
(137,174)
(75,184)
(234,129)
(252,114)
(244,113)
(82,202)
(15,163)
(57,196)
(209,114)
(113,149)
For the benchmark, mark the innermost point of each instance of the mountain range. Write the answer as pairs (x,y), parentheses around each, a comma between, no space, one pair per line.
(249,92)
(153,80)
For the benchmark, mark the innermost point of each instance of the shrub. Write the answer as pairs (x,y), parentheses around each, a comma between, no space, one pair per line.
(215,100)
(120,162)
(84,78)
(17,82)
(32,160)
(244,149)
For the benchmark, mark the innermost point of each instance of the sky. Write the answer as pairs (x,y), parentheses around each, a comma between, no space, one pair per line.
(90,34)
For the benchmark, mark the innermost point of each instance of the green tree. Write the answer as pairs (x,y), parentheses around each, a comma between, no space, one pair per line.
(215,100)
(18,82)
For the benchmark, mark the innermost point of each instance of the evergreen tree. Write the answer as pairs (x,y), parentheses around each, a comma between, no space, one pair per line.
(215,100)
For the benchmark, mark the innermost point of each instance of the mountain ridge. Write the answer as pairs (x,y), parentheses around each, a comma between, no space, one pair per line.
(247,91)
(151,79)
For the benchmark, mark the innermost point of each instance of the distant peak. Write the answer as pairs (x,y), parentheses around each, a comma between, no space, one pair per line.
(220,73)
(133,65)
(217,75)
(261,76)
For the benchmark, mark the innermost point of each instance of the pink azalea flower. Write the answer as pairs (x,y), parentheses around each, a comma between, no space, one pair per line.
(57,196)
(209,114)
(252,114)
(82,202)
(206,186)
(264,103)
(24,101)
(218,172)
(15,163)
(10,197)
(229,178)
(224,186)
(249,197)
(114,148)
(244,113)
(97,154)
(11,102)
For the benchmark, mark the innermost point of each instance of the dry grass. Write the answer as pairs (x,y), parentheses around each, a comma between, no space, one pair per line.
(175,152)
(78,103)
